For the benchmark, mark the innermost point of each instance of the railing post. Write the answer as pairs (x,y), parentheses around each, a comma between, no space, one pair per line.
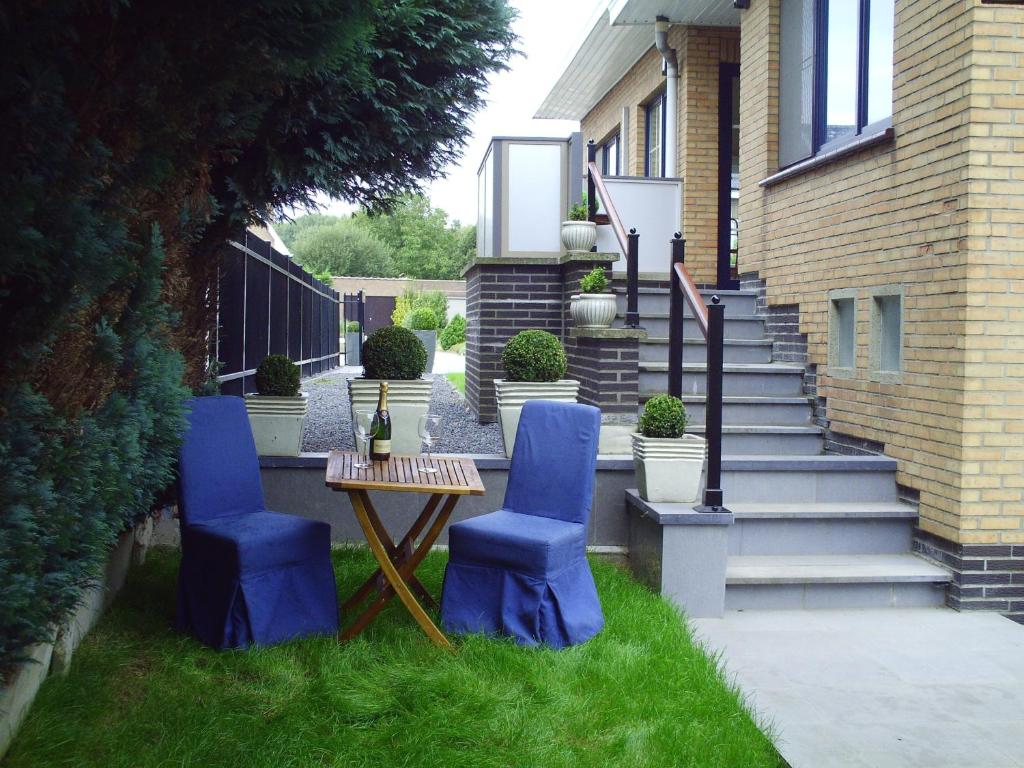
(676,319)
(591,191)
(633,280)
(713,409)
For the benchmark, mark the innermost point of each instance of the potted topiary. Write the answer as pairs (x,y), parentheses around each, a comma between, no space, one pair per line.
(277,413)
(667,461)
(423,322)
(353,343)
(593,308)
(578,234)
(395,355)
(534,363)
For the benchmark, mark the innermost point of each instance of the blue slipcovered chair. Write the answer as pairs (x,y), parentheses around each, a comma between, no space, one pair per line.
(522,571)
(248,576)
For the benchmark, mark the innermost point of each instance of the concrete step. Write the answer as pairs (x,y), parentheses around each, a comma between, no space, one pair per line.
(778,411)
(656,325)
(787,582)
(785,479)
(749,379)
(838,528)
(767,440)
(736,350)
(736,302)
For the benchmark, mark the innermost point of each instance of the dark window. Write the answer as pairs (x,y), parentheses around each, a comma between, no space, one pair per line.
(654,137)
(835,74)
(610,157)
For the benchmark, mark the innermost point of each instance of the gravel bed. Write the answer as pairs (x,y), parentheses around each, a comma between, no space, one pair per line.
(329,427)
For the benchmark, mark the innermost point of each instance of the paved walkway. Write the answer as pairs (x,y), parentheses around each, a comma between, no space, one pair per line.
(880,689)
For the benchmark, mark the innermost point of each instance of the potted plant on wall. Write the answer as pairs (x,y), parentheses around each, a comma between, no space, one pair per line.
(423,322)
(667,461)
(395,355)
(593,307)
(578,234)
(277,412)
(534,363)
(353,343)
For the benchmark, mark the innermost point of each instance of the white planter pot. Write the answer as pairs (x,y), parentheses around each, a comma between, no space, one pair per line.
(579,235)
(407,401)
(669,469)
(511,395)
(593,310)
(429,341)
(277,423)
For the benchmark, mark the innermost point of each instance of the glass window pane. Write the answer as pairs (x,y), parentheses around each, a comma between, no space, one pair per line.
(654,138)
(611,157)
(844,339)
(841,63)
(796,81)
(880,72)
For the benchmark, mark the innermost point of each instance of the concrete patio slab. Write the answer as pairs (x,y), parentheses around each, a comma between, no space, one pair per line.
(926,688)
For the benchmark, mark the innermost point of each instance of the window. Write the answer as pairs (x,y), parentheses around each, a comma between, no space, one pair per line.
(886,332)
(835,73)
(610,157)
(654,137)
(842,333)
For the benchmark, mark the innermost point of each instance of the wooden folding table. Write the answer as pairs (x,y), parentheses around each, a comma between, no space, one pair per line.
(396,575)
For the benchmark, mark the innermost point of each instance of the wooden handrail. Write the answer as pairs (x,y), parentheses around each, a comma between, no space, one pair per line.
(693,298)
(609,206)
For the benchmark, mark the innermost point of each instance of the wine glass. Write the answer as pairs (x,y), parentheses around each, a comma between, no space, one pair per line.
(364,428)
(428,429)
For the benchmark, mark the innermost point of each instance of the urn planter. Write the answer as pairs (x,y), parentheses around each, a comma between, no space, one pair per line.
(669,469)
(407,401)
(579,235)
(277,423)
(511,395)
(429,341)
(593,310)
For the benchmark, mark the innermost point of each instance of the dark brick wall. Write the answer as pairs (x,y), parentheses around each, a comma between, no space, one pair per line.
(608,372)
(986,577)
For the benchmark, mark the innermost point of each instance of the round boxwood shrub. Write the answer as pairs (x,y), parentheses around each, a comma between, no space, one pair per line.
(594,281)
(277,376)
(393,352)
(663,416)
(453,333)
(533,356)
(352,326)
(423,319)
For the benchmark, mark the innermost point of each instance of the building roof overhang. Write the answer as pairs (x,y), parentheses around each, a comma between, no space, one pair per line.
(618,36)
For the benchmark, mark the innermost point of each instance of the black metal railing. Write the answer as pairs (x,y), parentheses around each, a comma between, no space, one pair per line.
(629,243)
(711,322)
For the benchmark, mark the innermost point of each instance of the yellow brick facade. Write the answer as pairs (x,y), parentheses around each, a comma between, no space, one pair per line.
(700,50)
(938,211)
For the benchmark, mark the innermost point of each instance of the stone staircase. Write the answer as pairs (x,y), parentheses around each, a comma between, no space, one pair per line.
(811,530)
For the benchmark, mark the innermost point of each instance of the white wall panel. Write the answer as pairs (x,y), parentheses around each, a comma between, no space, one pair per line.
(535,181)
(654,209)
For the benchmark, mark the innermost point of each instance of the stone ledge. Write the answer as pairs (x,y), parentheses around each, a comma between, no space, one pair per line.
(608,333)
(607,463)
(540,261)
(665,513)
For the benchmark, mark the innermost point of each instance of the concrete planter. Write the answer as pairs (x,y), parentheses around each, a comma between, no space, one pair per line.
(579,235)
(669,469)
(593,310)
(277,423)
(407,401)
(353,349)
(429,341)
(511,395)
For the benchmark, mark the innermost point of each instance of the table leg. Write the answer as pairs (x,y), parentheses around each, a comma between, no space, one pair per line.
(397,576)
(401,551)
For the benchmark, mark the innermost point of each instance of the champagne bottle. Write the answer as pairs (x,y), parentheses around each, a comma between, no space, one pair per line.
(380,439)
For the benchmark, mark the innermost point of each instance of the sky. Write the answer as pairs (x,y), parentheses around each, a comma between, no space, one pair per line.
(549,32)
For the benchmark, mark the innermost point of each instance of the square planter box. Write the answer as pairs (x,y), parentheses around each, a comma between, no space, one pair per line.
(669,469)
(277,423)
(511,395)
(407,401)
(429,341)
(353,349)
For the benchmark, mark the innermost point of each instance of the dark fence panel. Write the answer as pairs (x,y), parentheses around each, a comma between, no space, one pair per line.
(269,305)
(378,312)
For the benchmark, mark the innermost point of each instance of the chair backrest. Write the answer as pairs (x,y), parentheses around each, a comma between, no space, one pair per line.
(218,470)
(554,461)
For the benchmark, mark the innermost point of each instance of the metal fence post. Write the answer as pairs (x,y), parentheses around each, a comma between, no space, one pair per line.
(633,280)
(713,419)
(676,318)
(591,191)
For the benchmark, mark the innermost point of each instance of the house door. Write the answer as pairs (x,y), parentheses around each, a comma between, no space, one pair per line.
(728,176)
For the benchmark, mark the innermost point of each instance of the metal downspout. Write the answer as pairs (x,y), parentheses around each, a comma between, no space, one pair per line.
(671,94)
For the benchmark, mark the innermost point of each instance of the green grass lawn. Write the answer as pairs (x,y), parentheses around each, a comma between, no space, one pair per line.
(458,380)
(139,695)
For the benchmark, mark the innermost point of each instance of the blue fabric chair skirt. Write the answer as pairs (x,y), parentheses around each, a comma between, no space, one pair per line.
(256,578)
(557,610)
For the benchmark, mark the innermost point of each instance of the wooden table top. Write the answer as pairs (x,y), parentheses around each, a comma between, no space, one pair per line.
(456,475)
